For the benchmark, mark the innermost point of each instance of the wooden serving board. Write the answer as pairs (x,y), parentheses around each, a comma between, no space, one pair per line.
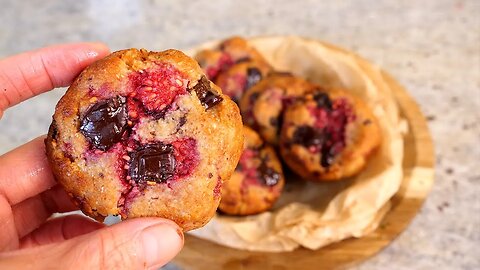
(418,179)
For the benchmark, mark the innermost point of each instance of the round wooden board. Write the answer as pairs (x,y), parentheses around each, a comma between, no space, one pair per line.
(418,179)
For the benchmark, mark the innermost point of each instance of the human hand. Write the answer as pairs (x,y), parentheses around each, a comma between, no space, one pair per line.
(29,195)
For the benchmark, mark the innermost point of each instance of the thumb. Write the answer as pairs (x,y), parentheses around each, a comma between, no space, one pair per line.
(143,243)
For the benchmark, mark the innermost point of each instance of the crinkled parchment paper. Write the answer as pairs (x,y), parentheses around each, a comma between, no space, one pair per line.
(313,215)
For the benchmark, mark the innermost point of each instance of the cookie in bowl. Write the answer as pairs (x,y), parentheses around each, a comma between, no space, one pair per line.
(240,77)
(228,53)
(263,105)
(257,181)
(328,136)
(142,133)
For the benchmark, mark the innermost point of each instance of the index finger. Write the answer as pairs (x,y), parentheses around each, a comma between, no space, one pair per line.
(31,73)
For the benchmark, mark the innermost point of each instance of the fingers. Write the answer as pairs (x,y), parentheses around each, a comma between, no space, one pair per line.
(134,244)
(33,212)
(28,74)
(25,172)
(60,229)
(153,242)
(8,239)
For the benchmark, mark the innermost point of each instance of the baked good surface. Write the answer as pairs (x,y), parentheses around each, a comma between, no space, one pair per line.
(263,105)
(235,80)
(229,52)
(143,133)
(328,135)
(257,181)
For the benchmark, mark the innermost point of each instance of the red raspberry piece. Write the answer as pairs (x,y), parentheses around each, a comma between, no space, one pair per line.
(223,63)
(158,87)
(186,156)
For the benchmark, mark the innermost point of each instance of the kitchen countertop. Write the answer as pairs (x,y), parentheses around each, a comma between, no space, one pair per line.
(432,47)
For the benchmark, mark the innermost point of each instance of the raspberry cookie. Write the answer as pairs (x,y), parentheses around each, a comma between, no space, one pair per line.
(231,51)
(143,133)
(257,181)
(262,106)
(328,136)
(238,78)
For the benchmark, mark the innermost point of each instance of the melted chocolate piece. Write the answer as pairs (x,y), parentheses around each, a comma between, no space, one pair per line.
(53,130)
(367,122)
(207,96)
(152,162)
(281,73)
(243,59)
(269,176)
(157,114)
(327,157)
(323,100)
(105,122)
(253,97)
(182,121)
(253,77)
(279,123)
(274,121)
(308,136)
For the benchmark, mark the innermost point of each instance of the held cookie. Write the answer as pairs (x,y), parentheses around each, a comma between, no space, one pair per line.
(257,181)
(143,133)
(231,51)
(262,106)
(328,136)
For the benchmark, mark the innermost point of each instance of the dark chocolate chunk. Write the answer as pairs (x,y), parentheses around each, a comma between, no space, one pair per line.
(53,131)
(105,122)
(308,136)
(207,96)
(269,176)
(253,97)
(182,121)
(323,100)
(158,114)
(253,77)
(327,157)
(279,123)
(152,162)
(211,100)
(274,121)
(243,59)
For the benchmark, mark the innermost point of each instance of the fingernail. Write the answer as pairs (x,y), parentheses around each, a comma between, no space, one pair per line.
(161,242)
(97,49)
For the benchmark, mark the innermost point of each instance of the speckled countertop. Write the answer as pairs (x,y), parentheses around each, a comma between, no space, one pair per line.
(432,47)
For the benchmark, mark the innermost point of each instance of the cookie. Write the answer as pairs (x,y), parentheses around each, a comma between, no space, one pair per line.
(328,136)
(142,134)
(235,80)
(257,181)
(262,106)
(231,51)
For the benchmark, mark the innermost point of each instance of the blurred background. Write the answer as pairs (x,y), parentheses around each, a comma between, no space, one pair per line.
(432,47)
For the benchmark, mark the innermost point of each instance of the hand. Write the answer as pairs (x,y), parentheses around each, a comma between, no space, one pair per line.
(29,195)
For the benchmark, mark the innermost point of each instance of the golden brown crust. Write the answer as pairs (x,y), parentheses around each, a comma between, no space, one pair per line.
(96,181)
(362,137)
(243,195)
